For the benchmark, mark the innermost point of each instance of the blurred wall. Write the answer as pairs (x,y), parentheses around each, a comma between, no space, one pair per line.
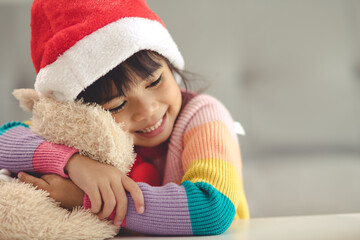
(287,70)
(16,70)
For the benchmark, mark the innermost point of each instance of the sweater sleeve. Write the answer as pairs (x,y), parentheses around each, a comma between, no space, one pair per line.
(22,150)
(210,194)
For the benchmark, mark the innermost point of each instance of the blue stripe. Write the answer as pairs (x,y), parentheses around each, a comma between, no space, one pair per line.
(11,125)
(211,212)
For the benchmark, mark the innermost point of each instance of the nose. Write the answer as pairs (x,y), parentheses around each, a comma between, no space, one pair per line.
(144,109)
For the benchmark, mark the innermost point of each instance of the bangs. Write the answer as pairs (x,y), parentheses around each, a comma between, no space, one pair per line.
(119,80)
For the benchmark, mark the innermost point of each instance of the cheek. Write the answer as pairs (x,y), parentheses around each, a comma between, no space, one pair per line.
(121,119)
(173,95)
(176,98)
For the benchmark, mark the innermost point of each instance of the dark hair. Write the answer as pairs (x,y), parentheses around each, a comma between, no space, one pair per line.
(143,63)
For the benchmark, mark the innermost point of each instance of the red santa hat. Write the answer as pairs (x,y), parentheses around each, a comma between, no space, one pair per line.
(75,42)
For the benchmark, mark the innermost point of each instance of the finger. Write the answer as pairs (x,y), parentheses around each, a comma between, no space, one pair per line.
(109,201)
(135,193)
(36,182)
(121,203)
(51,177)
(95,199)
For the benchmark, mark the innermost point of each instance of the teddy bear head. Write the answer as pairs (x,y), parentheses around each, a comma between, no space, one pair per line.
(87,127)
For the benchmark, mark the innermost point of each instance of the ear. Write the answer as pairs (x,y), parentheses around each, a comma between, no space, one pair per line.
(26,97)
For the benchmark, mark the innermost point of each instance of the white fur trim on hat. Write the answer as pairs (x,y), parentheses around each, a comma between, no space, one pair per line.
(101,51)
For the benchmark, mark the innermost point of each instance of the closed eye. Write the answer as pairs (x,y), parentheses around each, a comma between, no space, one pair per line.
(118,108)
(154,83)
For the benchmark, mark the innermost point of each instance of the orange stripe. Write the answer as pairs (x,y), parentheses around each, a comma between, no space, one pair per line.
(211,140)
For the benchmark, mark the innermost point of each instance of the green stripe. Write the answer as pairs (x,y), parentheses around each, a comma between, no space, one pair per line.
(11,125)
(211,212)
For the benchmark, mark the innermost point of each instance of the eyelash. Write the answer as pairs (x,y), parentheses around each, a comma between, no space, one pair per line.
(118,108)
(155,83)
(121,106)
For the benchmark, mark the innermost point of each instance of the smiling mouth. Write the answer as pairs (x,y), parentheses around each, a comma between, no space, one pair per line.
(152,128)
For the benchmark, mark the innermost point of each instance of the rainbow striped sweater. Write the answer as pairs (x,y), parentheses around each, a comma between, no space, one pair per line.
(202,190)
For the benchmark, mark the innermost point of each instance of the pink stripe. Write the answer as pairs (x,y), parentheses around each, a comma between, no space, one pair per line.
(52,158)
(208,109)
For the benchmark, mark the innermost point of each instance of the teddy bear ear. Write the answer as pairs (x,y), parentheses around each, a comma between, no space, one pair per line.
(26,97)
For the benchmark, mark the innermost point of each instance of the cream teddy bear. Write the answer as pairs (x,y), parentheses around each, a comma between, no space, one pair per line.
(26,213)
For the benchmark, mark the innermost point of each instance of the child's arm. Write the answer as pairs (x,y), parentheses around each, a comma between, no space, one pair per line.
(22,150)
(210,194)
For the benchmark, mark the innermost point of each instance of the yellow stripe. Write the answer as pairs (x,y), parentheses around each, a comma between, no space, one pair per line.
(223,176)
(28,123)
(242,211)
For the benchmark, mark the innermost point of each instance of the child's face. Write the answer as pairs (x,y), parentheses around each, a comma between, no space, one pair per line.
(150,107)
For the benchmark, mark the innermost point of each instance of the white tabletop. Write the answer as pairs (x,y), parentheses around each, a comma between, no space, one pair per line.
(322,227)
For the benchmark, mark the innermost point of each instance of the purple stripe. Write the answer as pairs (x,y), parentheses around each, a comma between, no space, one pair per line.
(17,147)
(166,211)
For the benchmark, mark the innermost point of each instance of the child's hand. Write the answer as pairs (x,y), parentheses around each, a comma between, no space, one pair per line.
(61,189)
(104,183)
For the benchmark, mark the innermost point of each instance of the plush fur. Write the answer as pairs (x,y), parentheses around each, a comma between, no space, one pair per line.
(86,127)
(27,213)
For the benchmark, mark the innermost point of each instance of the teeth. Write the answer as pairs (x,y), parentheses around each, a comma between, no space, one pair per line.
(150,129)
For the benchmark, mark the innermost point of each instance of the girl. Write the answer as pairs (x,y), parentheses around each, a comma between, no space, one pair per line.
(119,54)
